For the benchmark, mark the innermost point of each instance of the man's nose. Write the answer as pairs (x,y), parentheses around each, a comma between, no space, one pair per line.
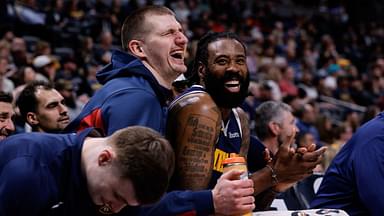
(10,126)
(233,67)
(181,39)
(63,109)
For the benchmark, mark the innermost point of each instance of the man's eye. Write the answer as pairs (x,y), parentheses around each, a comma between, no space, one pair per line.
(241,61)
(222,62)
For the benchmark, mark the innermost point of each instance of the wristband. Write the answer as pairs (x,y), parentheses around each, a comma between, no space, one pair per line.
(273,175)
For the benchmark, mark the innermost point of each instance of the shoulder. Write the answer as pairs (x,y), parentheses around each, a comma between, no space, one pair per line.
(193,97)
(24,174)
(30,183)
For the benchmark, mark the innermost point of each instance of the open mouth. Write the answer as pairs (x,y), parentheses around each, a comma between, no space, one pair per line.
(232,85)
(178,55)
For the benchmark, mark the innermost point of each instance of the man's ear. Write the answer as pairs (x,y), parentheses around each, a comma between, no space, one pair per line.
(105,157)
(135,47)
(32,118)
(201,70)
(274,128)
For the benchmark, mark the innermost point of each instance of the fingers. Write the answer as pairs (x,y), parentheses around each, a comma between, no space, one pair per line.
(233,197)
(232,175)
(314,155)
(308,148)
(289,141)
(267,156)
(245,204)
(311,147)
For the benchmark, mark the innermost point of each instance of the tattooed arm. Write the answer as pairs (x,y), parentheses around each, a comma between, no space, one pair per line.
(193,126)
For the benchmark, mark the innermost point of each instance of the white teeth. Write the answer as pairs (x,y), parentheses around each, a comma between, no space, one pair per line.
(233,82)
(177,54)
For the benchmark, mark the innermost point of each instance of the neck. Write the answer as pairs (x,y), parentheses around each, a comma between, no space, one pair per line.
(90,151)
(225,112)
(271,144)
(163,80)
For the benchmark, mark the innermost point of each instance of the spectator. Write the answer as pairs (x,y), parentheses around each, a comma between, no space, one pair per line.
(43,107)
(45,66)
(70,72)
(6,115)
(136,89)
(68,174)
(275,124)
(6,85)
(73,103)
(306,118)
(103,51)
(342,133)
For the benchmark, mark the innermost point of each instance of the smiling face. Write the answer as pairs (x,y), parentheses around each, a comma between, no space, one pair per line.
(51,113)
(226,77)
(6,123)
(164,46)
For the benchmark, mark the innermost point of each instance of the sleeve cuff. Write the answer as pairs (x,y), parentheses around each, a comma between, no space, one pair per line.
(203,201)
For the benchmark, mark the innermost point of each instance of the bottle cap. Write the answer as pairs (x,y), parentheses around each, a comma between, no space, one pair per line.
(233,160)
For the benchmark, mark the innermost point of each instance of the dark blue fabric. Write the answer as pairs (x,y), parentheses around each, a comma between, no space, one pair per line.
(255,158)
(130,96)
(354,180)
(38,171)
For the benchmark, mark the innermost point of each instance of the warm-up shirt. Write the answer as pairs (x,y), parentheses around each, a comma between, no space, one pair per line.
(40,174)
(354,181)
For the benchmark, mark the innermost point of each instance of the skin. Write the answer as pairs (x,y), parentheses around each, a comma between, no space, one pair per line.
(6,123)
(106,187)
(225,58)
(51,113)
(286,128)
(163,48)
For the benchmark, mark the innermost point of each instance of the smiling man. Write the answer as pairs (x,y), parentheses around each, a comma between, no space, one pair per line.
(206,126)
(137,82)
(7,113)
(43,107)
(82,174)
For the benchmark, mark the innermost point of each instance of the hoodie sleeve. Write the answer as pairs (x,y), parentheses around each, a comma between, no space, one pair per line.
(23,191)
(132,107)
(182,203)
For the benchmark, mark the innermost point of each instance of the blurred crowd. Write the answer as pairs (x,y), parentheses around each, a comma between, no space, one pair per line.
(314,57)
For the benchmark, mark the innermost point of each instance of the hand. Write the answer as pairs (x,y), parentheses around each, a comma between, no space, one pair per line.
(232,196)
(292,165)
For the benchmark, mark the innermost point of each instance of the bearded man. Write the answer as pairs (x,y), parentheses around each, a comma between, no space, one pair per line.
(205,125)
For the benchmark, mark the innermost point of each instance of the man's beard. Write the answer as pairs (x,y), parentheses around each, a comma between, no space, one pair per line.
(215,86)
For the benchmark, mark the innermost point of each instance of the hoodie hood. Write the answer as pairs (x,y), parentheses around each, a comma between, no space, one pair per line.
(123,65)
(126,65)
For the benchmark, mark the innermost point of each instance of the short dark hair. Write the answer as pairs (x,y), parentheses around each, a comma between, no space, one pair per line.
(134,25)
(27,101)
(146,158)
(267,112)
(6,97)
(201,55)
